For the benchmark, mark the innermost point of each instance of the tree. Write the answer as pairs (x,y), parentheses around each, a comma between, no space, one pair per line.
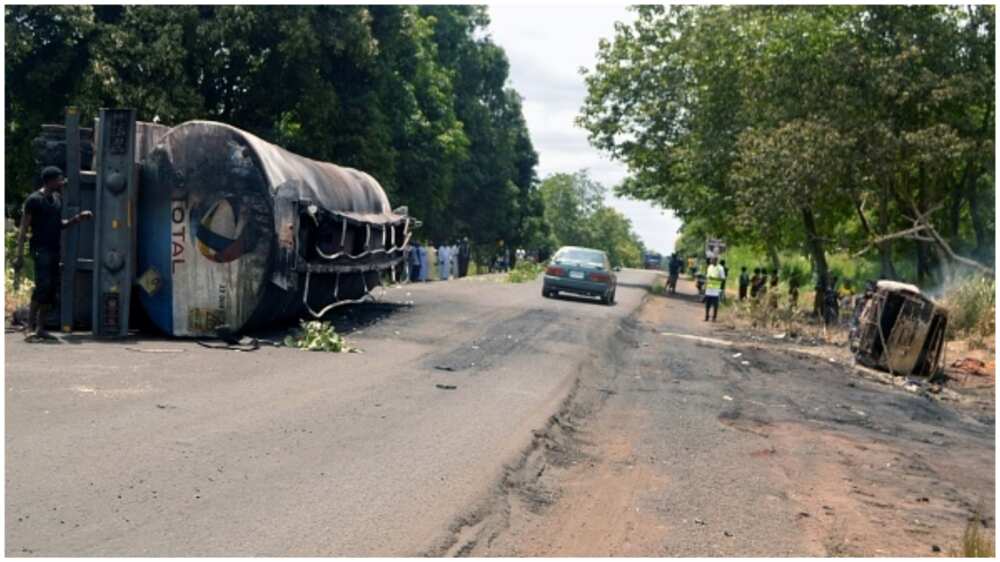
(575,215)
(415,96)
(712,109)
(45,46)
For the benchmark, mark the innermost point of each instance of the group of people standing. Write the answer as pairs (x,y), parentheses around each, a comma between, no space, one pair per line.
(444,260)
(757,285)
(762,287)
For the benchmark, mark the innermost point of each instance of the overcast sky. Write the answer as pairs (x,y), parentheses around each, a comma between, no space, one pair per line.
(546,45)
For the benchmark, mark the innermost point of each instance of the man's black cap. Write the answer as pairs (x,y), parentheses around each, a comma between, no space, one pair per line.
(50,173)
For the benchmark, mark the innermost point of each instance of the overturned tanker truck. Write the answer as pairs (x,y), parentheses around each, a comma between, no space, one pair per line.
(236,232)
(210,229)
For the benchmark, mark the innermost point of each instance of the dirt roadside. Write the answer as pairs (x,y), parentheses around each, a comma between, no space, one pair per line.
(691,444)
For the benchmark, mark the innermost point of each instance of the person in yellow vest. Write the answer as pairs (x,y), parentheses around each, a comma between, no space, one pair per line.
(715,275)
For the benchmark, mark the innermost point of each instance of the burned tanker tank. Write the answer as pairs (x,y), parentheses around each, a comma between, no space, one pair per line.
(235,233)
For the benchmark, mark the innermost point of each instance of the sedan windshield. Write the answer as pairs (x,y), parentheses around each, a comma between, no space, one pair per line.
(582,256)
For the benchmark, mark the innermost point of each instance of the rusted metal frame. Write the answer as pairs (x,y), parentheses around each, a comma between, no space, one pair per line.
(881,335)
(305,299)
(349,268)
(336,287)
(366,253)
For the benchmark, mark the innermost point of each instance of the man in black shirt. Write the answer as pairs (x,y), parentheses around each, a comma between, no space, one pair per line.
(43,215)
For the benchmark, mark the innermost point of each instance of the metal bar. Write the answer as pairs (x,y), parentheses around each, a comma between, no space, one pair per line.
(70,236)
(336,303)
(114,233)
(348,267)
(345,254)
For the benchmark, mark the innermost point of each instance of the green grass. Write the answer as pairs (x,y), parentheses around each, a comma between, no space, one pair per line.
(851,272)
(659,285)
(524,271)
(971,303)
(22,296)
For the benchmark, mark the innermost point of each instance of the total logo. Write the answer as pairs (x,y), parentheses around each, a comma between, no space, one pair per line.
(224,232)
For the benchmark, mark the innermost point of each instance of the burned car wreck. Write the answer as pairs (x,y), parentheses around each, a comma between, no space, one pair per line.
(898,329)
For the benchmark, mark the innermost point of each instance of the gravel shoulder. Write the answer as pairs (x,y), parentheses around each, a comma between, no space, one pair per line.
(697,444)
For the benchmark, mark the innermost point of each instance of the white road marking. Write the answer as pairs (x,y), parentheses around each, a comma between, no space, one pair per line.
(698,338)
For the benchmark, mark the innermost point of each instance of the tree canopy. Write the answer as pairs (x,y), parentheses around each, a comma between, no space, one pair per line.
(807,128)
(574,214)
(416,96)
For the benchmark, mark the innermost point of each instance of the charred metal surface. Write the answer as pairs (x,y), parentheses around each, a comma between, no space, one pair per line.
(240,233)
(50,147)
(899,329)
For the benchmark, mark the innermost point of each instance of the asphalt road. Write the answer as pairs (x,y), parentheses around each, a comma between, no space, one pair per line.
(158,447)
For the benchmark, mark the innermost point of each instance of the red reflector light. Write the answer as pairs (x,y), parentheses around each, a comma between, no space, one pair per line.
(600,277)
(555,271)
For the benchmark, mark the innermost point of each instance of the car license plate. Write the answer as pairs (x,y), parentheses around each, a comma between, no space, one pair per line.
(576,274)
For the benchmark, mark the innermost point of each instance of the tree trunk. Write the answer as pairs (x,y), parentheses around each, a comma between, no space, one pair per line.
(886,269)
(978,226)
(772,254)
(819,259)
(923,259)
(957,197)
(981,253)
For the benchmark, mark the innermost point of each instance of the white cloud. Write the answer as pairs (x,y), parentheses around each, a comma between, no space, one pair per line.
(546,45)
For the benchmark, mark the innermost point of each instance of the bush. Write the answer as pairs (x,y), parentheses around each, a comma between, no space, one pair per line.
(22,296)
(852,270)
(524,271)
(795,270)
(318,336)
(659,286)
(971,306)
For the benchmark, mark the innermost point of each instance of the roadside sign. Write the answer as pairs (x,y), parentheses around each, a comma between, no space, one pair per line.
(714,247)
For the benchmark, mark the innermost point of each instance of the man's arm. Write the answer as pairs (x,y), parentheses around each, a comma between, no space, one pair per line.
(78,218)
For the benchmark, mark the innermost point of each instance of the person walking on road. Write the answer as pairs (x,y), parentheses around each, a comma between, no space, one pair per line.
(715,275)
(43,216)
(744,283)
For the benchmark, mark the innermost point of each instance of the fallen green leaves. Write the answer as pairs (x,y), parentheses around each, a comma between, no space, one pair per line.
(319,336)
